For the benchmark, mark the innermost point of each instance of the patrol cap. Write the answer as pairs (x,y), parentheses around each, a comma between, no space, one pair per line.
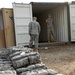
(34,18)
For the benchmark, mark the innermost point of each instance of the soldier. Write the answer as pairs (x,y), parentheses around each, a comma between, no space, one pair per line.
(34,30)
(50,29)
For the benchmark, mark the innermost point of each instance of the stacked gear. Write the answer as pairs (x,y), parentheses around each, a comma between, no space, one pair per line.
(24,58)
(24,61)
(6,67)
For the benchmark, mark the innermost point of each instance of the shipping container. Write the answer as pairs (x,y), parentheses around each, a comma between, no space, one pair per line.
(23,15)
(72,21)
(7,37)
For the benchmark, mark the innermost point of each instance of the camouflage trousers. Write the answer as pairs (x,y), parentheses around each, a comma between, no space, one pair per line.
(51,32)
(34,38)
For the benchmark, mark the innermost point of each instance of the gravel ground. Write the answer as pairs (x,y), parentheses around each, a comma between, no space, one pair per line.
(60,58)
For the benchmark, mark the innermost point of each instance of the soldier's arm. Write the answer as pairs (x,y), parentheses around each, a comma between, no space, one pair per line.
(39,27)
(30,28)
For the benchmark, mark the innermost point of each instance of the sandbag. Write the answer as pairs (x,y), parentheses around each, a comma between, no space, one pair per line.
(7,62)
(14,54)
(37,72)
(20,63)
(20,48)
(17,57)
(4,52)
(3,59)
(34,59)
(40,72)
(6,67)
(31,67)
(27,59)
(20,70)
(40,66)
(19,52)
(8,72)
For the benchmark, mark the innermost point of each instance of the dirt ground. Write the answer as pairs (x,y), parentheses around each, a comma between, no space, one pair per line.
(60,58)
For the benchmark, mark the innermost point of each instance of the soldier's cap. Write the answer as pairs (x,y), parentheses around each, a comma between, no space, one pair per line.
(34,18)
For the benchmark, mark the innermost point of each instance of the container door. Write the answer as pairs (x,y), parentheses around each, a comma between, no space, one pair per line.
(22,17)
(8,27)
(72,22)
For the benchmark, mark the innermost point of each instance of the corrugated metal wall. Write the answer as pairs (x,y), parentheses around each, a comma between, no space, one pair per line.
(61,28)
(72,22)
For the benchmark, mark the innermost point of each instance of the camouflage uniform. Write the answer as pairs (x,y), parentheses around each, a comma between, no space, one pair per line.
(34,30)
(50,29)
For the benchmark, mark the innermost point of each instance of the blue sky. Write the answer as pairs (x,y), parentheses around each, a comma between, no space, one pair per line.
(8,3)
